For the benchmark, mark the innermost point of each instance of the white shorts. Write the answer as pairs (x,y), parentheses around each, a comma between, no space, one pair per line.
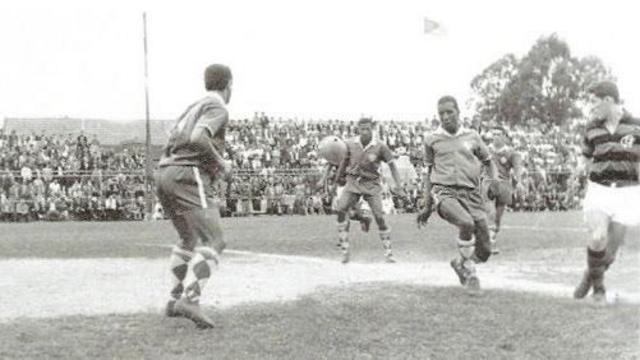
(621,204)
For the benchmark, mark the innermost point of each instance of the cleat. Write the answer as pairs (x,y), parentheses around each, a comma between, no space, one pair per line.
(472,284)
(390,259)
(599,295)
(457,266)
(583,287)
(170,309)
(365,223)
(345,257)
(494,248)
(193,312)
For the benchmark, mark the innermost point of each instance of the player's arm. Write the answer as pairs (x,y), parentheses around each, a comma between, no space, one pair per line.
(342,167)
(424,215)
(203,132)
(483,154)
(388,157)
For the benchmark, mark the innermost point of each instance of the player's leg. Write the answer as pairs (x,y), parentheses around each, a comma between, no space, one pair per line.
(451,210)
(345,201)
(375,203)
(598,223)
(356,213)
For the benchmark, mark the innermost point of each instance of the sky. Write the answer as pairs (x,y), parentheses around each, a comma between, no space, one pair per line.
(308,59)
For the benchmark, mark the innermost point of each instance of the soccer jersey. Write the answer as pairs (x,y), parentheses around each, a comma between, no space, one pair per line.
(455,159)
(506,159)
(615,156)
(209,113)
(364,161)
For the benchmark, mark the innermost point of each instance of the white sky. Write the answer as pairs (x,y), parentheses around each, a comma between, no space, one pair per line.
(312,59)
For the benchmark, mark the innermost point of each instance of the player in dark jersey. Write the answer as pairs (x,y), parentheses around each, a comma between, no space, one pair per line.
(611,157)
(508,163)
(361,165)
(191,161)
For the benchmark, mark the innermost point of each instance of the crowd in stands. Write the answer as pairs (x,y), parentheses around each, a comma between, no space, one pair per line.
(64,176)
(58,177)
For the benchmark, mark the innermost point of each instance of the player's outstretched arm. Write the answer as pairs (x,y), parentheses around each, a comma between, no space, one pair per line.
(425,214)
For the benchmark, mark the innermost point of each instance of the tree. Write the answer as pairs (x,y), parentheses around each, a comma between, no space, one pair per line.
(548,84)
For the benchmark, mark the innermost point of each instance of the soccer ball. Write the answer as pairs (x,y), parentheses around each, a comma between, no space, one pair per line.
(332,149)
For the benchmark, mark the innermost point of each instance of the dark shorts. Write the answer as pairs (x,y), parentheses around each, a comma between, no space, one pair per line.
(349,200)
(470,199)
(185,195)
(503,194)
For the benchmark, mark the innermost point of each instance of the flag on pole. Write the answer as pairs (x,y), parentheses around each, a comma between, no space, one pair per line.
(432,27)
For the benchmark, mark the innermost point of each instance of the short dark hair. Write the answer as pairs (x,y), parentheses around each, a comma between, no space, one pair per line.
(449,98)
(605,88)
(217,77)
(365,120)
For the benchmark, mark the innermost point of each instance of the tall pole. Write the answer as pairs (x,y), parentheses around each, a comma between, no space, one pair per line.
(147,177)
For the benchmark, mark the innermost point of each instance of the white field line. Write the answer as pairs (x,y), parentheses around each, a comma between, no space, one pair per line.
(43,288)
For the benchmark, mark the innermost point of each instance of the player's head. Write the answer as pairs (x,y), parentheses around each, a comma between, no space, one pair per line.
(449,113)
(604,98)
(217,77)
(499,136)
(365,129)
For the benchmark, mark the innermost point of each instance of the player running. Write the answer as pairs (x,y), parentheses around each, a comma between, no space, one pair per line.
(361,165)
(454,160)
(611,156)
(191,162)
(508,163)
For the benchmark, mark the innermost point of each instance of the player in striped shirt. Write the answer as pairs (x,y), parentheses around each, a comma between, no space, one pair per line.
(454,160)
(191,161)
(611,156)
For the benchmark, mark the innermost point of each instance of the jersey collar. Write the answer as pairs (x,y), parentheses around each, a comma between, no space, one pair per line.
(442,131)
(215,95)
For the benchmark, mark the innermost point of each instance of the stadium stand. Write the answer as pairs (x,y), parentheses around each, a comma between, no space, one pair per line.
(52,169)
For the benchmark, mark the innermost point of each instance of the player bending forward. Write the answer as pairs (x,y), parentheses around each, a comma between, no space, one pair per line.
(334,150)
(454,160)
(361,165)
(191,161)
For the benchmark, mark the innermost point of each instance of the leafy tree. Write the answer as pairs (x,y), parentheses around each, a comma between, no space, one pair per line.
(548,84)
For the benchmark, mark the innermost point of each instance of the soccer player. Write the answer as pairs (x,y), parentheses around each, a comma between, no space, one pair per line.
(611,156)
(454,160)
(506,161)
(333,150)
(361,164)
(192,160)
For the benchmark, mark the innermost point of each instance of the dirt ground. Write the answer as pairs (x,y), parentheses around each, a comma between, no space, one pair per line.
(61,287)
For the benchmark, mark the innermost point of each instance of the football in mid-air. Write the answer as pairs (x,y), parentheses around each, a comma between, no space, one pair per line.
(332,149)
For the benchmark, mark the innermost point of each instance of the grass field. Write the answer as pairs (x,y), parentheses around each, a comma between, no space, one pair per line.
(96,290)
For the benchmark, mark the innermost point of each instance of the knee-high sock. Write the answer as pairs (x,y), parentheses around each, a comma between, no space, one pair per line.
(179,264)
(343,235)
(597,263)
(467,249)
(385,237)
(204,262)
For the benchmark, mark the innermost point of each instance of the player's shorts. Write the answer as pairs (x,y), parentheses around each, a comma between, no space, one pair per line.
(349,199)
(470,199)
(619,203)
(186,198)
(504,193)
